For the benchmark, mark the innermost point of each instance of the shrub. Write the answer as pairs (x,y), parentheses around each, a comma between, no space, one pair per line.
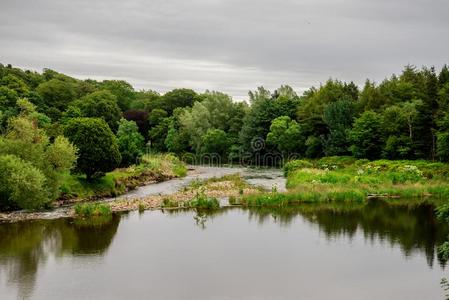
(201,201)
(98,149)
(21,185)
(295,165)
(92,209)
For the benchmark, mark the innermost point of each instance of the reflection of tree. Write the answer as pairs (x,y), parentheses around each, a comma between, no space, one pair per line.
(412,227)
(26,245)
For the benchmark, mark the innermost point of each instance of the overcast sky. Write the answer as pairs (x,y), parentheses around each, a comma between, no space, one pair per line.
(227,45)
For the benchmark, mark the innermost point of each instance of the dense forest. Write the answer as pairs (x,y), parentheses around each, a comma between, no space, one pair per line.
(51,123)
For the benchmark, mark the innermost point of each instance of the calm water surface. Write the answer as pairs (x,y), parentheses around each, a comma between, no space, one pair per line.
(372,251)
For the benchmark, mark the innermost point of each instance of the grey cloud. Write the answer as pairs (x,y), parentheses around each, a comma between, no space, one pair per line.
(229,45)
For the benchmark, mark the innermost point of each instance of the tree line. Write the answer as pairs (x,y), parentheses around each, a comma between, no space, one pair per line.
(51,123)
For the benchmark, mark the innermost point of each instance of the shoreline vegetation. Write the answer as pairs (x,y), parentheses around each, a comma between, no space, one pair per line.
(326,180)
(64,140)
(152,168)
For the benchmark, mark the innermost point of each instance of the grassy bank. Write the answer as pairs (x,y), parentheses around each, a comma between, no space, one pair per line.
(346,179)
(152,168)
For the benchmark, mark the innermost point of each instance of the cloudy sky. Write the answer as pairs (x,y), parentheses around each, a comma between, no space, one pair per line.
(226,45)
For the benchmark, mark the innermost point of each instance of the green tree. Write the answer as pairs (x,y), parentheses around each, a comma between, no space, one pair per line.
(101,104)
(57,95)
(98,149)
(130,142)
(264,108)
(338,117)
(25,140)
(122,90)
(156,116)
(215,141)
(366,136)
(24,185)
(177,98)
(286,135)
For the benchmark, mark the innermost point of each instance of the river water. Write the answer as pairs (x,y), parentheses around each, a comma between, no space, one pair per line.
(264,177)
(355,251)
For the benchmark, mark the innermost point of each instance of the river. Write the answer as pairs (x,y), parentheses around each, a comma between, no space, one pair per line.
(326,251)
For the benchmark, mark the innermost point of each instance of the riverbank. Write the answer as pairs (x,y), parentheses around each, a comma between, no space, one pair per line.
(346,179)
(150,169)
(210,182)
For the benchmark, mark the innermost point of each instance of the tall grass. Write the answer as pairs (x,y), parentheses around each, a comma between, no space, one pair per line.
(349,179)
(87,210)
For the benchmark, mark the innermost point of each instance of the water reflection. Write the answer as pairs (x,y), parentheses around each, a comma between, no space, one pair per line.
(413,227)
(24,246)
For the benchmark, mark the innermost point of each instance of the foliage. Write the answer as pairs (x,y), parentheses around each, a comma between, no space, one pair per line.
(122,91)
(286,135)
(25,140)
(98,149)
(101,104)
(295,165)
(130,142)
(92,210)
(366,136)
(24,185)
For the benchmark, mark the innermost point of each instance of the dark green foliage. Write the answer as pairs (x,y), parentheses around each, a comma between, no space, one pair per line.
(156,116)
(56,94)
(412,108)
(215,141)
(122,90)
(98,151)
(141,119)
(366,136)
(101,104)
(263,110)
(177,98)
(338,117)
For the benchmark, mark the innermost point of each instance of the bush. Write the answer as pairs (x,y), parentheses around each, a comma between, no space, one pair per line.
(98,149)
(92,209)
(21,185)
(295,165)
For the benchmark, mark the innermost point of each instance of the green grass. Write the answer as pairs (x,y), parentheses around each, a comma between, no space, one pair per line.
(349,179)
(87,210)
(200,201)
(117,182)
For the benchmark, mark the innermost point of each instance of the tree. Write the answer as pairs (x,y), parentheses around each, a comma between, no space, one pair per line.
(286,135)
(25,140)
(146,101)
(122,90)
(338,117)
(57,94)
(156,116)
(215,111)
(130,142)
(215,141)
(263,110)
(98,149)
(158,134)
(177,98)
(141,119)
(23,187)
(15,84)
(366,136)
(443,146)
(101,104)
